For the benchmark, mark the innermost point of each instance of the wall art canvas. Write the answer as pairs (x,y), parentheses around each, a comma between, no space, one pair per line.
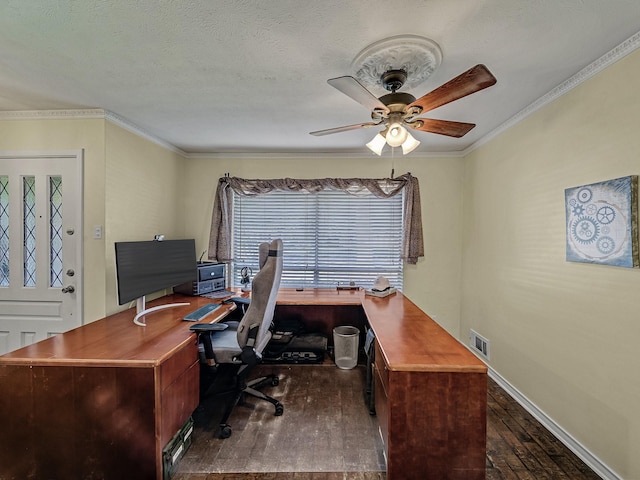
(602,222)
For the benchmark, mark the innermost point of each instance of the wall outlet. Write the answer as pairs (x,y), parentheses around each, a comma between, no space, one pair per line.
(479,344)
(97,232)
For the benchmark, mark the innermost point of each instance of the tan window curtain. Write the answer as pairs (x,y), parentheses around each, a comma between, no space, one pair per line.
(220,236)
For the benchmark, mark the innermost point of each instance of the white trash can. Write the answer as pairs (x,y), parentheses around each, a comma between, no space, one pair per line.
(345,346)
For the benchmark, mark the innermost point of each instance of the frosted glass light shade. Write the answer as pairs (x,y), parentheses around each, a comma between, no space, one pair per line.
(410,144)
(396,135)
(377,144)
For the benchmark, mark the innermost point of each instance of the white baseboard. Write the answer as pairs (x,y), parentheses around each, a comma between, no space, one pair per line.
(571,443)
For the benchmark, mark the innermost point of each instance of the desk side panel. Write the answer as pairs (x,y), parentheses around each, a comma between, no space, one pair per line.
(437,426)
(84,422)
(16,421)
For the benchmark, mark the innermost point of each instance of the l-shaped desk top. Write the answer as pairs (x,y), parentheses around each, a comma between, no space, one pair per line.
(409,338)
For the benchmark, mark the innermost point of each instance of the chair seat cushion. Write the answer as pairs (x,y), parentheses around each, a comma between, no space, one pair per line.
(225,345)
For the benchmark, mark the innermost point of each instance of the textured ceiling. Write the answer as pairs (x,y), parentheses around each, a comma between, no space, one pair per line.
(231,76)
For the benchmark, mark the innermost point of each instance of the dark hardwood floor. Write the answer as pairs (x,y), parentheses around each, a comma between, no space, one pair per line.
(325,419)
(519,447)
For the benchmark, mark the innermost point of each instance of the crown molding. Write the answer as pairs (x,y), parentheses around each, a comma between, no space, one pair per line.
(314,155)
(53,114)
(135,129)
(89,113)
(612,56)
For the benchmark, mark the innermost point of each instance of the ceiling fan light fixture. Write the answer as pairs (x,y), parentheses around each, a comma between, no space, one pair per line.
(396,135)
(377,144)
(410,144)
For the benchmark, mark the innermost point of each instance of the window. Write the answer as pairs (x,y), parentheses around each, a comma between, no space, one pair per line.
(328,237)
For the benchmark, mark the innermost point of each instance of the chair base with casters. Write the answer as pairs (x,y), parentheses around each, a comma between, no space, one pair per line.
(250,388)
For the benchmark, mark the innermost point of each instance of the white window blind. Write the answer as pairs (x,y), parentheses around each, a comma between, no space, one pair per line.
(328,237)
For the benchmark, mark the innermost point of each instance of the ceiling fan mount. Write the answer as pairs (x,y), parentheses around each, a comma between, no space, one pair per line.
(394,79)
(410,59)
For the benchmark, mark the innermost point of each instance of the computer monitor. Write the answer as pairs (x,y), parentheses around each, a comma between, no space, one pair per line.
(145,267)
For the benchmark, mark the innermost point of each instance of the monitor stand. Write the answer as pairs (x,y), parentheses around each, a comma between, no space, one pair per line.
(142,311)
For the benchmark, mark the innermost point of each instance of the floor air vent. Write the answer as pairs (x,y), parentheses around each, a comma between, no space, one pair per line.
(479,344)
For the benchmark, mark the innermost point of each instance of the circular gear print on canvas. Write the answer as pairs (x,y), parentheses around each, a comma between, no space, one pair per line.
(578,209)
(585,230)
(584,195)
(606,245)
(606,215)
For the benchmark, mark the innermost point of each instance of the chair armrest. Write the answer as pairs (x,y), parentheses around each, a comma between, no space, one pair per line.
(241,303)
(238,300)
(208,327)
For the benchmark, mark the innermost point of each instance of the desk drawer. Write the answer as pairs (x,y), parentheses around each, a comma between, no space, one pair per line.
(177,364)
(382,408)
(382,367)
(178,401)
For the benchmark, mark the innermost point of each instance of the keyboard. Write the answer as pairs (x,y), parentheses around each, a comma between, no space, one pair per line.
(201,312)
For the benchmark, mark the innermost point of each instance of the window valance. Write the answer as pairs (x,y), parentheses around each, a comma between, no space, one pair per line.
(220,235)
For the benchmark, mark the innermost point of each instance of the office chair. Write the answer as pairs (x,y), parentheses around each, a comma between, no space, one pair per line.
(240,346)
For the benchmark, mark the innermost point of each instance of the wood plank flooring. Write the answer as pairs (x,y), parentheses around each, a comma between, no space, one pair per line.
(519,447)
(326,433)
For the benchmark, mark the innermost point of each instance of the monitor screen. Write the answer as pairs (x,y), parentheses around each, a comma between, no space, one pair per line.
(145,267)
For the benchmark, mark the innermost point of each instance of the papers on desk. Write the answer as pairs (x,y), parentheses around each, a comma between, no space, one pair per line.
(380,293)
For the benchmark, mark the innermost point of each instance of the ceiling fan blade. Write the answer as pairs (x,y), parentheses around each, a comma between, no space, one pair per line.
(346,128)
(471,81)
(354,89)
(441,127)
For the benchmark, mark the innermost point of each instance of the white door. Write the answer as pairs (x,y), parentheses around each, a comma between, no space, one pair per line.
(40,246)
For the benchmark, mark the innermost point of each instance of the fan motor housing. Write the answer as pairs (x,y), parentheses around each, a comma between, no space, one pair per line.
(397,98)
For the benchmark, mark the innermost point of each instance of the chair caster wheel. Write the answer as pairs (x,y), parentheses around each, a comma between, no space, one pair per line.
(225,431)
(279,409)
(275,381)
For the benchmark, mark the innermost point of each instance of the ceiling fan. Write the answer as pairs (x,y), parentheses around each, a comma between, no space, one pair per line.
(397,110)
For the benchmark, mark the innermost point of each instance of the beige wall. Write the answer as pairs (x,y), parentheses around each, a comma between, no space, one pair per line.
(565,334)
(73,134)
(142,185)
(433,284)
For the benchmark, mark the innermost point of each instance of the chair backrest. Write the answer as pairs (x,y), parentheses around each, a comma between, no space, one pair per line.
(264,292)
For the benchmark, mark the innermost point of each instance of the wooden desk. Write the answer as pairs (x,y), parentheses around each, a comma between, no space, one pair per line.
(430,391)
(101,401)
